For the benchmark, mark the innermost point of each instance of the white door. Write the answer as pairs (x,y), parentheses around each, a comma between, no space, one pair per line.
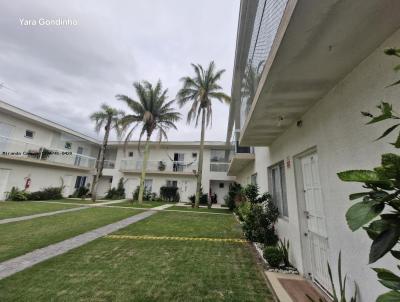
(4,175)
(316,227)
(67,185)
(5,134)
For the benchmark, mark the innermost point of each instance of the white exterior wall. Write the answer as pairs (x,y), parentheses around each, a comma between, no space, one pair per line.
(335,127)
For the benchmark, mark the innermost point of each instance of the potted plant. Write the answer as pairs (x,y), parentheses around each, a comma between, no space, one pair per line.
(161,166)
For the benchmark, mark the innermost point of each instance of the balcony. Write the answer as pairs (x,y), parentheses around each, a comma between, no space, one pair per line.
(162,167)
(12,149)
(219,167)
(242,157)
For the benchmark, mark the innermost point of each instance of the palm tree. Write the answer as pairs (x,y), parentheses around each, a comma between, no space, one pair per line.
(201,90)
(109,118)
(153,113)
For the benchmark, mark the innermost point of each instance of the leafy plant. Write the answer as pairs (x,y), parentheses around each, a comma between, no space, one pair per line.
(169,194)
(81,192)
(284,247)
(17,195)
(147,195)
(259,226)
(117,193)
(339,296)
(251,192)
(161,165)
(203,198)
(50,193)
(243,210)
(234,196)
(273,255)
(380,205)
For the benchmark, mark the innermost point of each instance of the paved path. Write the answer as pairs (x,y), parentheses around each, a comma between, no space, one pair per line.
(21,218)
(163,207)
(12,266)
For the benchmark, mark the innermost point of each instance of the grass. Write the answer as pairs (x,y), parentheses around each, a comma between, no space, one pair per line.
(190,209)
(145,270)
(11,209)
(18,238)
(135,204)
(78,201)
(186,225)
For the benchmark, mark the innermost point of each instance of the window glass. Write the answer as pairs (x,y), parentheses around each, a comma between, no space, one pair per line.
(277,187)
(29,133)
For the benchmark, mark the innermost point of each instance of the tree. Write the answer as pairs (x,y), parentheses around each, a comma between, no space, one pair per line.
(109,118)
(201,89)
(152,113)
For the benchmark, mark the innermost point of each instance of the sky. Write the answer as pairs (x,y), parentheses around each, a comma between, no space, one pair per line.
(64,73)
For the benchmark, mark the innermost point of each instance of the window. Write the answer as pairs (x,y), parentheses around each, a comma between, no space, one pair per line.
(277,187)
(194,155)
(253,179)
(130,154)
(68,145)
(80,181)
(221,185)
(172,183)
(148,184)
(29,133)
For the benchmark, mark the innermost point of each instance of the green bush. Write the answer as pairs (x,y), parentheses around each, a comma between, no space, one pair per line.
(203,197)
(169,194)
(50,193)
(273,255)
(243,210)
(147,194)
(17,195)
(80,192)
(234,196)
(251,192)
(258,225)
(117,193)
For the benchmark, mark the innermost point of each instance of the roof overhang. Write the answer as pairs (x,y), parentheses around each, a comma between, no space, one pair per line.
(317,44)
(238,162)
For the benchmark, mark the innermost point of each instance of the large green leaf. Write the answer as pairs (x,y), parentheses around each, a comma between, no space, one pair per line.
(388,131)
(383,244)
(358,175)
(376,228)
(392,296)
(396,254)
(358,195)
(362,212)
(388,279)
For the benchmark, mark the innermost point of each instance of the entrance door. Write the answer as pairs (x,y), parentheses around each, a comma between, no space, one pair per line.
(4,175)
(178,162)
(315,220)
(67,185)
(5,134)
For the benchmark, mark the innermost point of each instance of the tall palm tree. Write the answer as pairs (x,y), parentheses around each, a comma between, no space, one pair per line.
(153,113)
(201,89)
(109,118)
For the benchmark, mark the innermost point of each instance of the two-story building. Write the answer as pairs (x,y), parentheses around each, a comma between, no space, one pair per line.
(304,70)
(37,153)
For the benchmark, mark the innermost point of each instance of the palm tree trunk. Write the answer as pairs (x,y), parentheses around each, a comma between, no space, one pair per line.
(100,163)
(144,167)
(200,163)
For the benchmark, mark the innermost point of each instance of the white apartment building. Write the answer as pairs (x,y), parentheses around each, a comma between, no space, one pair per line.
(303,72)
(37,153)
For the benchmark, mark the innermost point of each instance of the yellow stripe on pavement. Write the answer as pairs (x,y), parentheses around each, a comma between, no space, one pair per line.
(145,237)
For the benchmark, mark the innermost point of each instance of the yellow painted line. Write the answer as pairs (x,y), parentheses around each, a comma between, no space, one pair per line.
(145,237)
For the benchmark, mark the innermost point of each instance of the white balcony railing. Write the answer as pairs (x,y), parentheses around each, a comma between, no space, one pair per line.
(109,164)
(219,166)
(158,165)
(14,148)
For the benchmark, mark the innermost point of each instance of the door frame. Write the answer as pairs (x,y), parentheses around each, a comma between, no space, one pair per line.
(301,206)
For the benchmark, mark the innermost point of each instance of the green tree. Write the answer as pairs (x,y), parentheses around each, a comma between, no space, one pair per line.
(108,118)
(200,90)
(152,113)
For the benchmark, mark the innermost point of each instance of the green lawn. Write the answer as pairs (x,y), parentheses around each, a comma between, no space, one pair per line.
(18,238)
(212,210)
(78,201)
(11,209)
(149,270)
(135,204)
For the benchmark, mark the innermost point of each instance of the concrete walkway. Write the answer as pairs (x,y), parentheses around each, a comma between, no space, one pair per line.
(21,218)
(12,266)
(163,207)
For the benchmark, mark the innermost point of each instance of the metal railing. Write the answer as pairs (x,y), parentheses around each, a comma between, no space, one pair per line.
(14,148)
(129,164)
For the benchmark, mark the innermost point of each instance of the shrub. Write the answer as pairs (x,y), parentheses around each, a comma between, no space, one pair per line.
(203,197)
(80,192)
(258,226)
(17,195)
(117,193)
(50,193)
(169,194)
(147,195)
(251,192)
(243,210)
(284,247)
(273,255)
(234,197)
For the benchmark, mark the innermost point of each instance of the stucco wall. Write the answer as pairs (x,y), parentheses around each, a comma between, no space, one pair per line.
(336,128)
